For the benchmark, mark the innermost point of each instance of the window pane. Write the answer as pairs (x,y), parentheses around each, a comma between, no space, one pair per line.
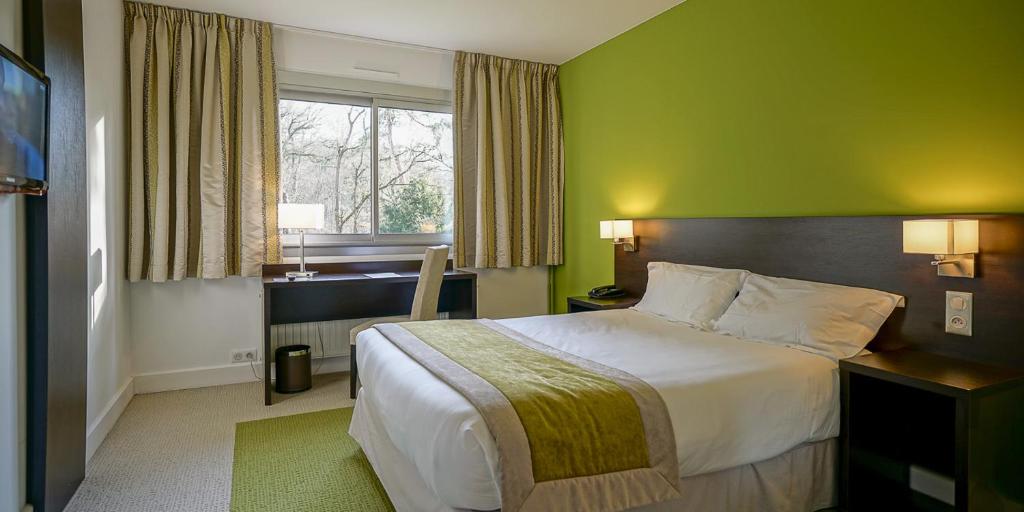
(325,159)
(415,180)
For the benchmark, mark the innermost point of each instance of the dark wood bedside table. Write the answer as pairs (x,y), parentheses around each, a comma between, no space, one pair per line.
(584,303)
(924,420)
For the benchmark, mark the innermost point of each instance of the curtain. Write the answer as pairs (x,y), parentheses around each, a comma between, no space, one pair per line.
(508,162)
(203,150)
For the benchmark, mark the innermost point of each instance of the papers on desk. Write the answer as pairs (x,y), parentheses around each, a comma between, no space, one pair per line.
(381,275)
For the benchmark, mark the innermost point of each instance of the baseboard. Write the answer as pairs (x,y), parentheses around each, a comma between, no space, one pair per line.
(207,376)
(105,422)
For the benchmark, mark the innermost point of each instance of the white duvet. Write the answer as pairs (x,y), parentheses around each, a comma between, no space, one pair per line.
(731,401)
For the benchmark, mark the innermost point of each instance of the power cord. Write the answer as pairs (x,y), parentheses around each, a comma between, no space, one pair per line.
(252,364)
(320,336)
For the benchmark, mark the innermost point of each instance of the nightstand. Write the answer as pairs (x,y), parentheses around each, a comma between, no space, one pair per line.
(584,303)
(920,430)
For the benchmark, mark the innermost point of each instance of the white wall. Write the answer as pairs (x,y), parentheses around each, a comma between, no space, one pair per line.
(12,312)
(191,327)
(324,53)
(506,293)
(194,323)
(109,364)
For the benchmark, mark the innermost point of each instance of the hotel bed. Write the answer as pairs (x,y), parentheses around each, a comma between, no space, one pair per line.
(754,423)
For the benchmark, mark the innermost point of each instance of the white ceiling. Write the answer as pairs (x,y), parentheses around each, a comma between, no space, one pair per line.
(551,31)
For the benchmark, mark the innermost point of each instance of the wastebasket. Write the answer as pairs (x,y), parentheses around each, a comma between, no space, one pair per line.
(294,369)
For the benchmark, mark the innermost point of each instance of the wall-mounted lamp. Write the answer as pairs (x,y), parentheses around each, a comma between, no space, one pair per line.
(953,242)
(620,232)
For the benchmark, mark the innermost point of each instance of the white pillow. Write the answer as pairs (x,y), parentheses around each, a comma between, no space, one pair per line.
(837,321)
(689,293)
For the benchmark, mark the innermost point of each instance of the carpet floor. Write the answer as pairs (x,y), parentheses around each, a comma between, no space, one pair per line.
(303,463)
(173,451)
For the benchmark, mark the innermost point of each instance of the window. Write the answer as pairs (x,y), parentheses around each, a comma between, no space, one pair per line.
(415,177)
(383,169)
(325,159)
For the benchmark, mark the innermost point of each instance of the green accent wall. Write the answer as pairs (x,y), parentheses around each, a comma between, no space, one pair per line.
(791,108)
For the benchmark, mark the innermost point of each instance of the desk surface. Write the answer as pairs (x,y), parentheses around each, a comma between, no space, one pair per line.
(932,371)
(278,281)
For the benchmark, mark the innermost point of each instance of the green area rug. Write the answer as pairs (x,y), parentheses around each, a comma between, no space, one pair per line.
(305,462)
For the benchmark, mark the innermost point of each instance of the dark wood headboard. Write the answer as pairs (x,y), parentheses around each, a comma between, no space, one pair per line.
(858,251)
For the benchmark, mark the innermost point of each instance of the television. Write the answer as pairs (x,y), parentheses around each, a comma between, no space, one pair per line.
(24,119)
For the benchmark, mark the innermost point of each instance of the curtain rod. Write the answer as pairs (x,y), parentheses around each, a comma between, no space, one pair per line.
(338,35)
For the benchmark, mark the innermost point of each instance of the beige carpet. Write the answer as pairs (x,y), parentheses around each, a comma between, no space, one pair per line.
(173,451)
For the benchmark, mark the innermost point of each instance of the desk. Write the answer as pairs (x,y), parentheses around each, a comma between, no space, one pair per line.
(342,291)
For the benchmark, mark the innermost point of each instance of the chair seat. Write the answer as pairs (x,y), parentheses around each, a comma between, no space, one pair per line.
(372,322)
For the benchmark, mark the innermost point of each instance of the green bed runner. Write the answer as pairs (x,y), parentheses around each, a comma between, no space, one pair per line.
(552,398)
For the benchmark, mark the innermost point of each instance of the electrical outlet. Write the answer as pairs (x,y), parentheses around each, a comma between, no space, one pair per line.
(245,355)
(960,313)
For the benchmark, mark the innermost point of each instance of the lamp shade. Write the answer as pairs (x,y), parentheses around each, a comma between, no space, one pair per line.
(940,236)
(611,229)
(300,216)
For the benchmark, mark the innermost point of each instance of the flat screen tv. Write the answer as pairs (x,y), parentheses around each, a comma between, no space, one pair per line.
(24,114)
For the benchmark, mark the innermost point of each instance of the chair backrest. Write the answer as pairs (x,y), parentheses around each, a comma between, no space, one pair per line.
(428,287)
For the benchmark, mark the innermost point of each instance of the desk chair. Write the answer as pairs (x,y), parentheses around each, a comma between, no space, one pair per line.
(424,304)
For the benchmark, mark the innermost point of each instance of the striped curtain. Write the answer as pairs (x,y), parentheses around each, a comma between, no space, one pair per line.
(508,163)
(203,150)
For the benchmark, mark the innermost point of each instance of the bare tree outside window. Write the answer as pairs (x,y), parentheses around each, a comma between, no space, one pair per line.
(326,158)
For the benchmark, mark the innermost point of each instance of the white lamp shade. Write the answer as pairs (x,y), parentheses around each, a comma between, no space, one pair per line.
(611,229)
(940,236)
(622,228)
(300,216)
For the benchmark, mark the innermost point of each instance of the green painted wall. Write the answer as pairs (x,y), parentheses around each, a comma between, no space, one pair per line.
(793,107)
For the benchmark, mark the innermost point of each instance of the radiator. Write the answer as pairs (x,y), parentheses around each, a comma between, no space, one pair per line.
(335,335)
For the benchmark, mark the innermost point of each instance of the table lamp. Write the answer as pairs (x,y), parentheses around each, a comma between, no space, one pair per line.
(300,217)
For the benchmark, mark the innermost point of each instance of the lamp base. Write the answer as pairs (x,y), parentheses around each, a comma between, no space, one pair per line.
(628,243)
(295,274)
(955,266)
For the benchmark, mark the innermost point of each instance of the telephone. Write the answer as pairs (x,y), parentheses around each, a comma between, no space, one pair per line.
(605,292)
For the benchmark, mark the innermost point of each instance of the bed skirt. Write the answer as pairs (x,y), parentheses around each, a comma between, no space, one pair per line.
(800,480)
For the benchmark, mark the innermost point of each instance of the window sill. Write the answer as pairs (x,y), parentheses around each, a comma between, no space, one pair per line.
(353,258)
(290,243)
(335,253)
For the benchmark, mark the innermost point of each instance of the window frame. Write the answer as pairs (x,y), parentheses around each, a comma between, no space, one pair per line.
(342,95)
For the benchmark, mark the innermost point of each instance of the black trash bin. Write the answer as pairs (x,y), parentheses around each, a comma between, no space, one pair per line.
(294,369)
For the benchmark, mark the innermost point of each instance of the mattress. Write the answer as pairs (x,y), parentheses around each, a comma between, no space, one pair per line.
(732,402)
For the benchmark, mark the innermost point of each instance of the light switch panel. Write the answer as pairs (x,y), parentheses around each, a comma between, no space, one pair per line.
(959,313)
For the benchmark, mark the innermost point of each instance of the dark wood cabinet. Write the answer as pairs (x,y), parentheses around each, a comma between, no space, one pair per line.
(921,430)
(584,303)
